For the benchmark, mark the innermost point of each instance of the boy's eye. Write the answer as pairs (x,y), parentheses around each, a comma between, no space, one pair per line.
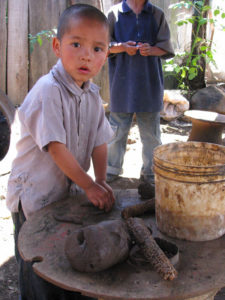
(76,45)
(97,49)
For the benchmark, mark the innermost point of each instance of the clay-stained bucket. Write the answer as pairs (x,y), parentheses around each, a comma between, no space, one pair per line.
(190,190)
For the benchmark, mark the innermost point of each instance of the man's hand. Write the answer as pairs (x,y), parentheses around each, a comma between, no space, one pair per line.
(146,50)
(130,48)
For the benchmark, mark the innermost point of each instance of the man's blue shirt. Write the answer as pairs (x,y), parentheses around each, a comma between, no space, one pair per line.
(136,82)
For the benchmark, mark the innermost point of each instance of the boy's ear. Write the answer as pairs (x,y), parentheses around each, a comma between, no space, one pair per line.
(56,46)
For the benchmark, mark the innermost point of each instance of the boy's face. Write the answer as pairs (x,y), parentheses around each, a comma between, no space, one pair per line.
(83,48)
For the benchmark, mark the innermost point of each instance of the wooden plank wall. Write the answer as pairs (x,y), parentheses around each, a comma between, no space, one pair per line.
(25,68)
(17,56)
(96,3)
(42,58)
(3,44)
(180,36)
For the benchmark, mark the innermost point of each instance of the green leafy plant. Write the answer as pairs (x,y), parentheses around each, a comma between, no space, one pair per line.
(188,65)
(39,37)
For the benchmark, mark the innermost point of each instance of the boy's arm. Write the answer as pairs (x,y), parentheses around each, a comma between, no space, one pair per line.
(64,159)
(99,158)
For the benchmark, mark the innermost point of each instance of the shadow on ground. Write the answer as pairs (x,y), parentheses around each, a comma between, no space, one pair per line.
(220,295)
(9,280)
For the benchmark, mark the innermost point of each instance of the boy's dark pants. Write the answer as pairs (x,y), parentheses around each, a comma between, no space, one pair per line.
(33,287)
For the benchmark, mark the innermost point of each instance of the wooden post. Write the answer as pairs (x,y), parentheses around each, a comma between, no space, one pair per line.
(17,59)
(3,43)
(102,80)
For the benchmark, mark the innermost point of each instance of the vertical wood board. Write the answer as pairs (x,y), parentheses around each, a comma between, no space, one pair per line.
(102,80)
(17,59)
(3,44)
(216,73)
(107,4)
(163,4)
(96,3)
(43,15)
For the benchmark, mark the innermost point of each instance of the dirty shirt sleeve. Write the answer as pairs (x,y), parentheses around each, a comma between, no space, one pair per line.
(163,36)
(43,117)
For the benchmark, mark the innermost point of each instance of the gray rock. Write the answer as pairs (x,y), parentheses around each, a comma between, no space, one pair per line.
(210,98)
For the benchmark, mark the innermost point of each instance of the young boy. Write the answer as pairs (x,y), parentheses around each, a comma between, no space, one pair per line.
(62,126)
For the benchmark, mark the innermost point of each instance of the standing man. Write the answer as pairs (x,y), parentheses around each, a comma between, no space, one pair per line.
(140,37)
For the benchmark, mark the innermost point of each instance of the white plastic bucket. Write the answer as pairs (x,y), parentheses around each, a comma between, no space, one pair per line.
(190,190)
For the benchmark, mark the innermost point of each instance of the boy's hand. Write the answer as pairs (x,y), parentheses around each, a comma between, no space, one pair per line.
(99,196)
(130,47)
(108,188)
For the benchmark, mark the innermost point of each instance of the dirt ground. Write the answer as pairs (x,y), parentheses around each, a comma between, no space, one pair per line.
(171,132)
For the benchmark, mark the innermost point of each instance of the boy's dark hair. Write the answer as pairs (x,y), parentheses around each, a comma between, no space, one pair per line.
(79,10)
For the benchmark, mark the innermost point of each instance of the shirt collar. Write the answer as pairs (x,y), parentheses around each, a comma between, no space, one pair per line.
(124,8)
(60,74)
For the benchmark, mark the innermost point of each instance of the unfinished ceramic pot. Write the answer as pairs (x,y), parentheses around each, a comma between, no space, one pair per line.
(98,247)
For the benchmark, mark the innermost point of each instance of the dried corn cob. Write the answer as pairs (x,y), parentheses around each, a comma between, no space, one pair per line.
(139,209)
(150,249)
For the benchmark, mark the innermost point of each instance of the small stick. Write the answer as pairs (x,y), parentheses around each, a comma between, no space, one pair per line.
(149,248)
(139,209)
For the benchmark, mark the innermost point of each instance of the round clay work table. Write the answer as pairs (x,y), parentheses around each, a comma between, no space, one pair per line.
(207,126)
(201,266)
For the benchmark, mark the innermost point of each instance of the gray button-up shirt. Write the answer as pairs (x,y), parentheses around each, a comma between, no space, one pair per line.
(56,109)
